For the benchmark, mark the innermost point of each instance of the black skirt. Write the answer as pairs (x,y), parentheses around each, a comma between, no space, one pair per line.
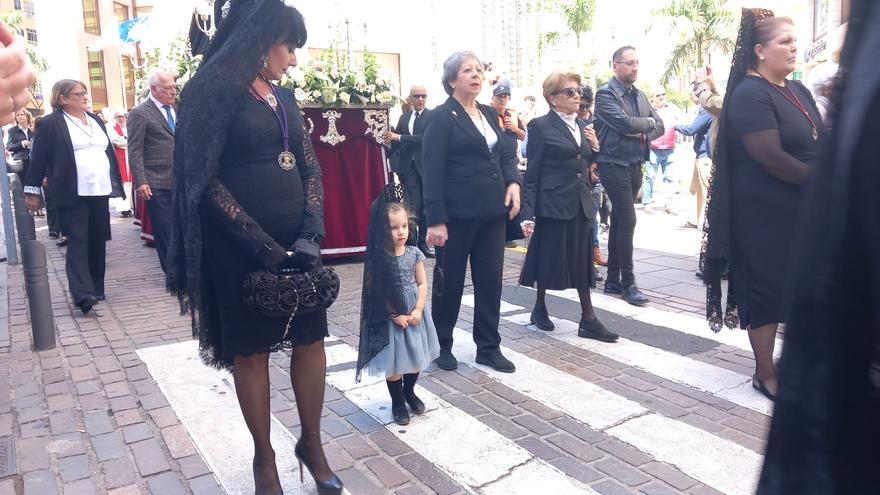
(560,255)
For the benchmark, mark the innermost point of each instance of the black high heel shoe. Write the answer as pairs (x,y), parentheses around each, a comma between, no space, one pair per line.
(332,486)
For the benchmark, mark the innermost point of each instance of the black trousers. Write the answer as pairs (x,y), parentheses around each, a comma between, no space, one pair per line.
(482,241)
(412,183)
(621,183)
(159,208)
(52,219)
(87,227)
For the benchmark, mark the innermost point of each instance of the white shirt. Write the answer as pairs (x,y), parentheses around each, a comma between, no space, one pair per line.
(485,129)
(89,151)
(412,122)
(571,123)
(161,108)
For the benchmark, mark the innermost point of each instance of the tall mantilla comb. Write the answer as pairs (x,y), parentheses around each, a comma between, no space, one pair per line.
(393,193)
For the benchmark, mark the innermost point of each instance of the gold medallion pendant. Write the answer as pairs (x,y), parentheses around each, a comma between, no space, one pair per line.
(286,160)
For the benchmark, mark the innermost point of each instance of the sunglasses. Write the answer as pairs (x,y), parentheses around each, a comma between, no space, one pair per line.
(570,92)
(585,106)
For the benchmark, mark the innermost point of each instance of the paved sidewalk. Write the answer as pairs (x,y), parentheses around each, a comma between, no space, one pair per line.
(95,415)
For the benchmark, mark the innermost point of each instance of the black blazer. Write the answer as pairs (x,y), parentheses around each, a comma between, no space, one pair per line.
(406,154)
(52,157)
(557,183)
(13,143)
(462,178)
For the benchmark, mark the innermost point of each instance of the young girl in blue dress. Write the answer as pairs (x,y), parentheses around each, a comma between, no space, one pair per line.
(398,339)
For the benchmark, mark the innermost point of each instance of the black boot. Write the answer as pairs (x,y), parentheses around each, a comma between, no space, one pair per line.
(398,404)
(409,394)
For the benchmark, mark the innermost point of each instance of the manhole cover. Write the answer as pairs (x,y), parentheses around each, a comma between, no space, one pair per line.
(7,457)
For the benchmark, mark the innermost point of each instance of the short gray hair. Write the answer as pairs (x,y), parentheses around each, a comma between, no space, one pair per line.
(156,74)
(452,65)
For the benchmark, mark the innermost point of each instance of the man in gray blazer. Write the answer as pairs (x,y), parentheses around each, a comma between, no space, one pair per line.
(151,154)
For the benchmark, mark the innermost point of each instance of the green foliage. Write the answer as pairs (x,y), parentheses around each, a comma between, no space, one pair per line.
(579,16)
(602,78)
(702,26)
(681,99)
(175,58)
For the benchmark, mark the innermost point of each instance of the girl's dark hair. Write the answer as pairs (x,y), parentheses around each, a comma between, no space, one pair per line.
(587,93)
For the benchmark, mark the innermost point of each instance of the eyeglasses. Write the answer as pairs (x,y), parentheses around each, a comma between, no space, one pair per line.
(570,92)
(78,94)
(421,97)
(629,63)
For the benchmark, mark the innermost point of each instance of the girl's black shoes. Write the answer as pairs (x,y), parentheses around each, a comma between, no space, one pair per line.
(398,403)
(409,395)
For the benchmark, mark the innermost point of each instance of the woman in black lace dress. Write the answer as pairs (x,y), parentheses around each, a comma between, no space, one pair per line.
(242,205)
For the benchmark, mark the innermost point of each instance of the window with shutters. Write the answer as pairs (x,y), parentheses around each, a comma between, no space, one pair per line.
(91,19)
(97,80)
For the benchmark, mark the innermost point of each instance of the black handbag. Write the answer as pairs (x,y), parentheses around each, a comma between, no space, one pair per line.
(290,291)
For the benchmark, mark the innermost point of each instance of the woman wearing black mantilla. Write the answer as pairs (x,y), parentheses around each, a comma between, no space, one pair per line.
(248,197)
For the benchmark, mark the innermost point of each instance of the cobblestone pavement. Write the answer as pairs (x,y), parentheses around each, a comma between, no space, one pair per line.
(669,409)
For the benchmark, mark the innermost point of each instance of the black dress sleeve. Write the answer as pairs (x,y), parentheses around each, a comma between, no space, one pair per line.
(751,110)
(221,205)
(310,172)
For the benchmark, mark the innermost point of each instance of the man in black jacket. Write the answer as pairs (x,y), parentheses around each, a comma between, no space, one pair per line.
(406,157)
(626,124)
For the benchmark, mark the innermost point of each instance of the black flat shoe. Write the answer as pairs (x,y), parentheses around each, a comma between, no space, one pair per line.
(541,319)
(634,296)
(597,275)
(332,486)
(54,235)
(100,297)
(758,385)
(496,361)
(594,329)
(62,242)
(447,361)
(87,304)
(612,287)
(401,415)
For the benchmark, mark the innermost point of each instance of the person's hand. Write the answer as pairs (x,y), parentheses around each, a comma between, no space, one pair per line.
(144,192)
(271,254)
(415,317)
(32,201)
(701,75)
(590,134)
(511,200)
(594,173)
(508,123)
(305,253)
(437,235)
(528,228)
(45,182)
(390,136)
(26,143)
(16,75)
(401,320)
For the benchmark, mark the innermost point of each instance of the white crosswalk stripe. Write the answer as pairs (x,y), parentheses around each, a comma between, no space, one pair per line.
(477,457)
(721,464)
(701,376)
(480,459)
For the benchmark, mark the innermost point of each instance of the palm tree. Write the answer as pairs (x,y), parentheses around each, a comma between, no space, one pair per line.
(579,17)
(705,26)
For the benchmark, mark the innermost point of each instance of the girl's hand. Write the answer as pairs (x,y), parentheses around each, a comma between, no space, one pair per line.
(401,320)
(437,235)
(415,317)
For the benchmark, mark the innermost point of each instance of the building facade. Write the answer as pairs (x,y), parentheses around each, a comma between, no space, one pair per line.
(78,39)
(828,19)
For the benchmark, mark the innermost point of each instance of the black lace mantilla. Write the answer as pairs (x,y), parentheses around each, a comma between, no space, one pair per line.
(715,255)
(208,106)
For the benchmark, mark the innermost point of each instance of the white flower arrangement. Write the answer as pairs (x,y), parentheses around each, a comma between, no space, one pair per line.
(328,80)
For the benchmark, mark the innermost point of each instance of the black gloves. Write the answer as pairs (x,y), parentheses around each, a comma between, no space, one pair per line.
(306,253)
(271,254)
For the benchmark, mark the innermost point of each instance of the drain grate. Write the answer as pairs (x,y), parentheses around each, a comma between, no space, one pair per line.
(7,457)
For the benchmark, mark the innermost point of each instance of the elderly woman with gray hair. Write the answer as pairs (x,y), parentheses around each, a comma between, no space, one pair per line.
(471,186)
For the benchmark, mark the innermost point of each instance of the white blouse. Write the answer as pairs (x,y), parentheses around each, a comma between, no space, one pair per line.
(571,123)
(89,151)
(485,129)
